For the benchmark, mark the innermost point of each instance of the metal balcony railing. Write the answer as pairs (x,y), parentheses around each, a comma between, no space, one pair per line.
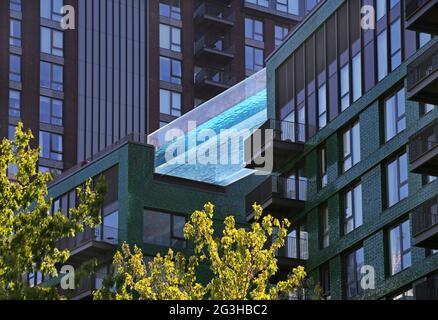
(295,248)
(412,6)
(286,188)
(425,217)
(290,188)
(100,234)
(423,142)
(215,10)
(291,131)
(216,76)
(427,290)
(214,43)
(423,66)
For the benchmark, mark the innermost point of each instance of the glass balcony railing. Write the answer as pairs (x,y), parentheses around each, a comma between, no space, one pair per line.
(214,43)
(220,12)
(215,76)
(423,142)
(425,217)
(422,67)
(290,188)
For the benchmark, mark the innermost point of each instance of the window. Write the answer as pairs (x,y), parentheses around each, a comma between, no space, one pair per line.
(324,275)
(428,108)
(170,103)
(322,106)
(170,38)
(51,9)
(263,3)
(345,87)
(52,41)
(51,111)
(15,5)
(170,9)
(323,177)
(324,226)
(405,295)
(381,9)
(424,38)
(12,169)
(397,180)
(288,6)
(354,261)
(382,55)
(353,217)
(51,76)
(15,33)
(164,229)
(396,56)
(281,33)
(395,115)
(14,103)
(357,76)
(170,70)
(400,247)
(14,68)
(51,146)
(253,59)
(253,29)
(351,147)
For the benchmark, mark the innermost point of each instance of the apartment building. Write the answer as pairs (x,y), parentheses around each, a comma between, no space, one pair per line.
(129,66)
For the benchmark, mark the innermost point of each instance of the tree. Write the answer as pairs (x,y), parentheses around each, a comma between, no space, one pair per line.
(242,263)
(28,233)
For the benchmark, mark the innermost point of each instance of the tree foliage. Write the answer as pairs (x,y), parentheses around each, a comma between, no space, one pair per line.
(242,263)
(28,232)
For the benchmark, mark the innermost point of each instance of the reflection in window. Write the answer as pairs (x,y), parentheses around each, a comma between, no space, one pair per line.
(400,247)
(164,229)
(353,212)
(395,115)
(354,262)
(397,180)
(351,147)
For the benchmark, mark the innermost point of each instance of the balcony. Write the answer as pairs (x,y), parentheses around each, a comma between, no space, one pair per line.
(288,142)
(424,151)
(213,51)
(213,16)
(425,225)
(273,8)
(86,287)
(91,243)
(210,83)
(427,290)
(278,196)
(423,77)
(421,15)
(295,253)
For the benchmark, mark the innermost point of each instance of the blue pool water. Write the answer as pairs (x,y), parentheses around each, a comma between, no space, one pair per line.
(245,117)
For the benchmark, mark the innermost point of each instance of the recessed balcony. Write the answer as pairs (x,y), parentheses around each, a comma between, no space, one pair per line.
(213,51)
(282,140)
(423,154)
(427,290)
(90,244)
(210,16)
(211,82)
(421,15)
(279,196)
(425,225)
(295,253)
(423,77)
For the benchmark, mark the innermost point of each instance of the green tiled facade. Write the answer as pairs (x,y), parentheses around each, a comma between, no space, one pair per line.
(374,233)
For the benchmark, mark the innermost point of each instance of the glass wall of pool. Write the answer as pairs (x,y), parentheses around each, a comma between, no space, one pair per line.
(207,144)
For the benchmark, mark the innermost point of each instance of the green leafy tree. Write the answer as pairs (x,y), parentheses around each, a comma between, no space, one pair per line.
(242,263)
(28,233)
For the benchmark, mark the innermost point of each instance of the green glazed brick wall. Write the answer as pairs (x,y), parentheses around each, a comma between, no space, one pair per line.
(370,171)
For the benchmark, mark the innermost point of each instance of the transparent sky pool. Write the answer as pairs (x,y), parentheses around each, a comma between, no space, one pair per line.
(200,149)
